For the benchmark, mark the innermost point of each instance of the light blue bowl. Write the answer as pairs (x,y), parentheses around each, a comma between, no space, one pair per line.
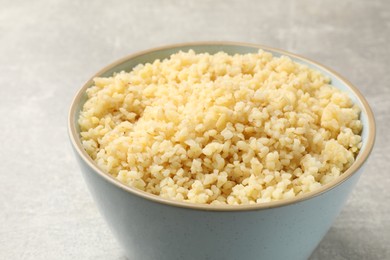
(151,227)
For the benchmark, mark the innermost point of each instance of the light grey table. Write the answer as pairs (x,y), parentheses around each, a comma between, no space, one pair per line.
(49,48)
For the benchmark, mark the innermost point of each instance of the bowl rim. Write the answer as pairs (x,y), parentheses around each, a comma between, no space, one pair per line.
(363,154)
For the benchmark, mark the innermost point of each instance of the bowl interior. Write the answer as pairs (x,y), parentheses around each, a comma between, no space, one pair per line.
(127,63)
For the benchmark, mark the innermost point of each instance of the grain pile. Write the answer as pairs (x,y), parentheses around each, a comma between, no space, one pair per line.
(221,129)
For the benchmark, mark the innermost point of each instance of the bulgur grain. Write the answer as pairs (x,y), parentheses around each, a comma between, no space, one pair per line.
(221,129)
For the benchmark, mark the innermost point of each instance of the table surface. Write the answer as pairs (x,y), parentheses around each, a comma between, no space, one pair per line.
(48,49)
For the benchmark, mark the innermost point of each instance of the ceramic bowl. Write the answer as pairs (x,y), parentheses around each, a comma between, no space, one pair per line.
(150,227)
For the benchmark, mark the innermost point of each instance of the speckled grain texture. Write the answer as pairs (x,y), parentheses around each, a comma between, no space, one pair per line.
(49,48)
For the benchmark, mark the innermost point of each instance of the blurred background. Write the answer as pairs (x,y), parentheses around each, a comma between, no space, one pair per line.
(48,49)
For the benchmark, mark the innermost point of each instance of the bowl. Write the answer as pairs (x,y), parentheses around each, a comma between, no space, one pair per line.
(151,227)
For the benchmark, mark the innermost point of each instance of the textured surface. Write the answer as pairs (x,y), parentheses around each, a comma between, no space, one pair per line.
(49,48)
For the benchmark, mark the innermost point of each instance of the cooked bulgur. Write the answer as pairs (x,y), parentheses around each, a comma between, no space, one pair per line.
(221,129)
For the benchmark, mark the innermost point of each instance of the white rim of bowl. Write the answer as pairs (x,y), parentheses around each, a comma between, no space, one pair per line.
(363,154)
